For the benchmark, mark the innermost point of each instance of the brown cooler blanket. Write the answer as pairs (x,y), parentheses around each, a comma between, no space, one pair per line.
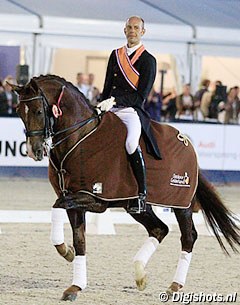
(99,165)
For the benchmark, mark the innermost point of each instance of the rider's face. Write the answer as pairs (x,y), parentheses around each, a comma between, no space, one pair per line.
(134,31)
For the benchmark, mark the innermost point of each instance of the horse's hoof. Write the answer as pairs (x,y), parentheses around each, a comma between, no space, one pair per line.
(140,275)
(69,297)
(174,287)
(70,294)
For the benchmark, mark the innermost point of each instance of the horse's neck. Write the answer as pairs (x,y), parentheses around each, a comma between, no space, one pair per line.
(75,107)
(77,113)
(74,114)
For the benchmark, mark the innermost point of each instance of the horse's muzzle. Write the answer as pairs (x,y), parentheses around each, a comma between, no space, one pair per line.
(34,151)
(39,154)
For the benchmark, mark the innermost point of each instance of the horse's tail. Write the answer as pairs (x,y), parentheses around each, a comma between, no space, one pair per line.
(217,215)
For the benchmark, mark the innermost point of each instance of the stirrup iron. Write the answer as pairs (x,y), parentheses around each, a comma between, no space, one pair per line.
(138,205)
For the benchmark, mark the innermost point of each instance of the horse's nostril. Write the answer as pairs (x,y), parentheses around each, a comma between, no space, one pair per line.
(39,154)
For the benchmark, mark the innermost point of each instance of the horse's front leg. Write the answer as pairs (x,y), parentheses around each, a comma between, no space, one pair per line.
(77,221)
(57,234)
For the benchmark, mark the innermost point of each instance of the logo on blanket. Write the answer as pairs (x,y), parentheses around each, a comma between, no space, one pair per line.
(178,180)
(97,188)
(183,138)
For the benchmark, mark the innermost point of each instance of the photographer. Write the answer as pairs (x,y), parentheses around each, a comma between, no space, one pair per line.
(218,100)
(211,100)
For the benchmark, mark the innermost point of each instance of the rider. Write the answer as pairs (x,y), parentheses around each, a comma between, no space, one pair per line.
(129,78)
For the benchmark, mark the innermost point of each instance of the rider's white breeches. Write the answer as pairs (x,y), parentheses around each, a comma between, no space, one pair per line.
(131,120)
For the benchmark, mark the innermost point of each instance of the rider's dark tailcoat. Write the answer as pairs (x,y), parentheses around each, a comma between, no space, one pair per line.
(116,85)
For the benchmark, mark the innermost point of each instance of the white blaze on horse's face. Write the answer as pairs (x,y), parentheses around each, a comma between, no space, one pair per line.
(32,115)
(26,110)
(29,146)
(29,150)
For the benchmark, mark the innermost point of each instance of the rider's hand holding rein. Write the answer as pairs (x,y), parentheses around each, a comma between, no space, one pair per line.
(107,104)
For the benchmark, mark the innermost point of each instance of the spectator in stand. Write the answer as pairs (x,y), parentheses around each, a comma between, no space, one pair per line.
(198,115)
(169,108)
(203,88)
(153,105)
(185,104)
(82,83)
(232,106)
(208,105)
(93,92)
(8,98)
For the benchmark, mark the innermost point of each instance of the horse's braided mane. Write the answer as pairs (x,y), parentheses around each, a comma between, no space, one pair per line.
(64,82)
(54,77)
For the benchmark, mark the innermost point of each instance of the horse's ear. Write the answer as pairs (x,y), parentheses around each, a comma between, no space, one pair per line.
(34,85)
(15,88)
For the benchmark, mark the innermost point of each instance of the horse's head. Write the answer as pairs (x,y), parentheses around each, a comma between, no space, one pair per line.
(33,109)
(50,107)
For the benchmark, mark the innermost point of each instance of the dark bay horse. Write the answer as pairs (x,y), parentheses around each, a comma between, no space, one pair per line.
(53,109)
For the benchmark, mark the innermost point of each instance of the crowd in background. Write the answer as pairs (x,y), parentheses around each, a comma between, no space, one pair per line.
(213,102)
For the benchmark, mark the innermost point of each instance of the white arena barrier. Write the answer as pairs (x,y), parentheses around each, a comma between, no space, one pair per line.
(96,223)
(103,223)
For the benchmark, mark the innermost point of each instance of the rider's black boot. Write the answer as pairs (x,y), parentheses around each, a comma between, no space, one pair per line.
(137,162)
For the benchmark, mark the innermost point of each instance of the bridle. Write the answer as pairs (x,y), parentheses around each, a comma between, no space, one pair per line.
(49,121)
(47,131)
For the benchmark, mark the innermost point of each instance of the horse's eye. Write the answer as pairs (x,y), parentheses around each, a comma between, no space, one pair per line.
(39,112)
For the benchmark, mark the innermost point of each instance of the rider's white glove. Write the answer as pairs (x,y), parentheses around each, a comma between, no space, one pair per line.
(106,104)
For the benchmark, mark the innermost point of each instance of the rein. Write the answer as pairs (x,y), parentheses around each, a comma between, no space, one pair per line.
(78,124)
(49,121)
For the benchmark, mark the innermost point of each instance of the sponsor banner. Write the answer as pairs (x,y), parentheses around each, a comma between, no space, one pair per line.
(217,146)
(231,152)
(13,144)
